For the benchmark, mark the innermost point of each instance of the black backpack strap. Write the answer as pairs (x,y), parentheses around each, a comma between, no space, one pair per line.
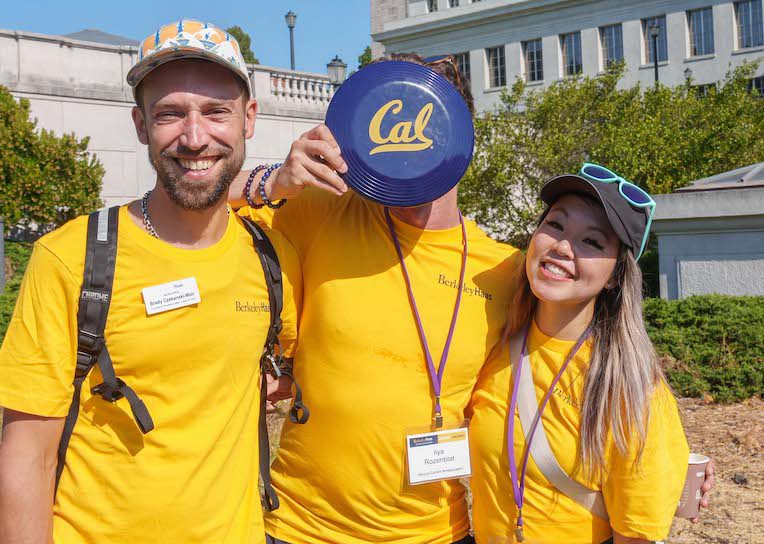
(93,310)
(270,361)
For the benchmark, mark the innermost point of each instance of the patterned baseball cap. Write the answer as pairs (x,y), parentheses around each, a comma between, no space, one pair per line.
(188,39)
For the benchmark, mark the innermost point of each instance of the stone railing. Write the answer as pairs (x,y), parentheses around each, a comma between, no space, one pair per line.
(281,91)
(300,88)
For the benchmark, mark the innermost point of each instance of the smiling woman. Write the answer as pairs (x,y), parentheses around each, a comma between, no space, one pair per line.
(577,373)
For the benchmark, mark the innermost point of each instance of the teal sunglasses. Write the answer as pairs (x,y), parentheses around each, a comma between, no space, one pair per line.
(633,194)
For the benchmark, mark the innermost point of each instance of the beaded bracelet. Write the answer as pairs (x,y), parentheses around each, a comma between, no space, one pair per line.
(261,187)
(248,186)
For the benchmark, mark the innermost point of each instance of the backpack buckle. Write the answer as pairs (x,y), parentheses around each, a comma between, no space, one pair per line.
(89,341)
(273,364)
(107,392)
(85,361)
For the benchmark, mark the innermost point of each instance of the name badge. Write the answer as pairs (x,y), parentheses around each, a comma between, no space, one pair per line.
(171,295)
(439,455)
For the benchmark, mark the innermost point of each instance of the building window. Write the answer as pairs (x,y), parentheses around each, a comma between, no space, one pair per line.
(432,6)
(571,53)
(534,63)
(704,90)
(750,25)
(647,25)
(611,38)
(496,71)
(701,25)
(463,64)
(453,3)
(756,85)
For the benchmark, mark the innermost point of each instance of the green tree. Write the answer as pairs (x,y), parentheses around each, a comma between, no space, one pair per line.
(44,179)
(365,57)
(661,139)
(245,44)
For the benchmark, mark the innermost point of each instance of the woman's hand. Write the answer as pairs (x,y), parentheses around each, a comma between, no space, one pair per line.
(708,484)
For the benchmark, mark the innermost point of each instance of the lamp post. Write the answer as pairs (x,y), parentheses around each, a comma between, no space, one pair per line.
(654,31)
(336,70)
(688,75)
(290,19)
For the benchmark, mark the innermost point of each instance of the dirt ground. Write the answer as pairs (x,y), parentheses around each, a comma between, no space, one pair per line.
(732,435)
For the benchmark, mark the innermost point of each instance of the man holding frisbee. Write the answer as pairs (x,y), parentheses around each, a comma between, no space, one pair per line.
(387,344)
(402,306)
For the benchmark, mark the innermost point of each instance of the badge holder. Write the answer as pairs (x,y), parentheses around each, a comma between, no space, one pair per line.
(437,453)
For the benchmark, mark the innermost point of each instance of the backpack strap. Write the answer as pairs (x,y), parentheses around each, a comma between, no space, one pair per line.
(271,358)
(93,310)
(541,450)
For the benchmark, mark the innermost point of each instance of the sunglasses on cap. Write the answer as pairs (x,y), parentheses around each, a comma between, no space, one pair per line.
(632,193)
(446,59)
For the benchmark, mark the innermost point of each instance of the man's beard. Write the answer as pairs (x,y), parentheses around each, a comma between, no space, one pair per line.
(196,196)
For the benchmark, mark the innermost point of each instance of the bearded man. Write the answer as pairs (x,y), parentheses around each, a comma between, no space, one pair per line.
(186,277)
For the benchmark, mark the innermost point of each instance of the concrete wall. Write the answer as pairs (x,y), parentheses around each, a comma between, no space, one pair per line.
(475,26)
(711,242)
(80,87)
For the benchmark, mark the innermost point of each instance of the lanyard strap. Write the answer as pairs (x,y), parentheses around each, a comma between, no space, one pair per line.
(518,484)
(436,376)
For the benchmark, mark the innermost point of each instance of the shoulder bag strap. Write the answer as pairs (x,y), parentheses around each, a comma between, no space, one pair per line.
(270,360)
(541,451)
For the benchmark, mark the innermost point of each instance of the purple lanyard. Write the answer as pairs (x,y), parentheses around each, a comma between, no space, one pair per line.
(436,377)
(518,484)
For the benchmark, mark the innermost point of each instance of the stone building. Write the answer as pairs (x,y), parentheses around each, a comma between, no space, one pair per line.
(75,84)
(711,235)
(496,41)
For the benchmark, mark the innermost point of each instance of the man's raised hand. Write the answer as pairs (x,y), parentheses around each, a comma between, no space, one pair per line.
(314,160)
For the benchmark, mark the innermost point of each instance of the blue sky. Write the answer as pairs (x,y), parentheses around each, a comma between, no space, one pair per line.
(324,28)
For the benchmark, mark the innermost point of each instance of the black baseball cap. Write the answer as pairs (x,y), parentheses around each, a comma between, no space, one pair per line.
(629,222)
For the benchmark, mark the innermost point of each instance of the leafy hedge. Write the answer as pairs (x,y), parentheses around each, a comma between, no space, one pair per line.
(713,344)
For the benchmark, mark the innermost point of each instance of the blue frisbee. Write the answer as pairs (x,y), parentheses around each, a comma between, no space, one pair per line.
(405,133)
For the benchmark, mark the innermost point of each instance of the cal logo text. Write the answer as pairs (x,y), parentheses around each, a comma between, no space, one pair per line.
(400,137)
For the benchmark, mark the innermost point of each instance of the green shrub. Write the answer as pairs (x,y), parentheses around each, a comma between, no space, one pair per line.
(660,139)
(17,253)
(713,344)
(45,179)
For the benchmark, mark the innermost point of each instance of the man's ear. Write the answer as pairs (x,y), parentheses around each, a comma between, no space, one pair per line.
(140,125)
(250,114)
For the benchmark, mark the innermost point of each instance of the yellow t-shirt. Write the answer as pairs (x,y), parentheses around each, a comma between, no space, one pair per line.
(194,477)
(640,499)
(341,477)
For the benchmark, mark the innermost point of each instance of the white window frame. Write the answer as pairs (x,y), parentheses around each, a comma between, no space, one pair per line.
(501,72)
(700,36)
(576,49)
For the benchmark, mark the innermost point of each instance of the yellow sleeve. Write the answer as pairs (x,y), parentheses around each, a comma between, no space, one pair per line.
(291,275)
(641,499)
(38,355)
(300,218)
